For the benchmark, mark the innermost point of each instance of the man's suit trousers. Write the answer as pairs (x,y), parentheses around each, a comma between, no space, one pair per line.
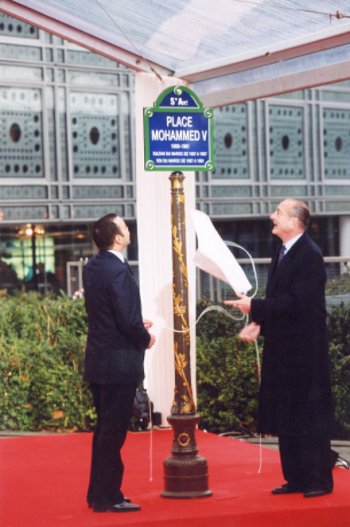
(114,408)
(307,462)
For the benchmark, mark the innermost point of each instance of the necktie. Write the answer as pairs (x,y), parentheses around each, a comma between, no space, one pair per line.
(281,254)
(128,266)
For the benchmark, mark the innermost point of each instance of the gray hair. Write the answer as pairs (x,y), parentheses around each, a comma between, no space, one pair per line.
(301,211)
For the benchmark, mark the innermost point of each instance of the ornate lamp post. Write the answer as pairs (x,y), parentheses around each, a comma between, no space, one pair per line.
(185,472)
(179,136)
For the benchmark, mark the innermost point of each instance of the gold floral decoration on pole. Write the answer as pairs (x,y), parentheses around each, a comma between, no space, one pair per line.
(185,472)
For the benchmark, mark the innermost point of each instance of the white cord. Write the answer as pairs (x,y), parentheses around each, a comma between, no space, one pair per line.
(255,344)
(150,441)
(232,244)
(260,455)
(220,309)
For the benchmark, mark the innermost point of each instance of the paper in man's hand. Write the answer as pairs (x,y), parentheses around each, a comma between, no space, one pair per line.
(214,257)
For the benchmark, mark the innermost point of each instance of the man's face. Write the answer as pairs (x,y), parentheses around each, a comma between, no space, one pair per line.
(124,238)
(284,223)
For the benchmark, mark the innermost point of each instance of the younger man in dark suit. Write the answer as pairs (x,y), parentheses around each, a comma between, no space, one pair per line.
(117,339)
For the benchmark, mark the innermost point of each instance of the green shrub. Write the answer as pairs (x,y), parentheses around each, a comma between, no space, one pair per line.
(16,412)
(339,347)
(41,360)
(227,376)
(42,343)
(227,385)
(338,285)
(215,324)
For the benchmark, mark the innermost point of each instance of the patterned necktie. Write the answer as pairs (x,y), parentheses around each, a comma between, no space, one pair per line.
(281,254)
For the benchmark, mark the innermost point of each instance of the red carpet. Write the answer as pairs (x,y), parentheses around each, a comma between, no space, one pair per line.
(43,482)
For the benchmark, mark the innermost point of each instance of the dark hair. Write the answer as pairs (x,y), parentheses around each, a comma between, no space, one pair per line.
(104,231)
(302,212)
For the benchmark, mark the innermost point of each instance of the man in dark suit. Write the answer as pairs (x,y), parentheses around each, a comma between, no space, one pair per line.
(295,394)
(117,339)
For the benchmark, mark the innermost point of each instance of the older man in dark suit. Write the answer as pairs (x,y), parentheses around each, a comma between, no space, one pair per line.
(295,394)
(117,339)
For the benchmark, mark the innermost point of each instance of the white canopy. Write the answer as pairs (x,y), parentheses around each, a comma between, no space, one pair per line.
(225,50)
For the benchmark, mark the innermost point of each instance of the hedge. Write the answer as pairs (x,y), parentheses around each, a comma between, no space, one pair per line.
(339,347)
(42,343)
(227,373)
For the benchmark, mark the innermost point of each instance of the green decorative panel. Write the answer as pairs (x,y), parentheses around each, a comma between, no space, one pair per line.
(343,84)
(51,127)
(89,59)
(54,212)
(15,28)
(21,192)
(54,192)
(20,73)
(85,78)
(95,135)
(63,134)
(230,191)
(97,192)
(295,95)
(129,192)
(337,206)
(336,143)
(223,209)
(21,146)
(289,191)
(126,109)
(65,212)
(340,190)
(286,142)
(335,96)
(231,142)
(90,212)
(28,53)
(130,211)
(25,213)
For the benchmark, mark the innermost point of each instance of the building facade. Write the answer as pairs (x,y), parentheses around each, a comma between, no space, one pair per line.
(67,158)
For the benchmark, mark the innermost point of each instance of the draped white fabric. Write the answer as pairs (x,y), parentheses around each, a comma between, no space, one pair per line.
(214,257)
(155,260)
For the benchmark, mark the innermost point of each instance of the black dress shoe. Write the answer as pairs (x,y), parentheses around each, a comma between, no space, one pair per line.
(91,505)
(315,493)
(342,462)
(124,506)
(286,489)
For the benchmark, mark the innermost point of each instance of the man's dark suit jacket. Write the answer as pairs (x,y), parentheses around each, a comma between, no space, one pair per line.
(295,394)
(117,337)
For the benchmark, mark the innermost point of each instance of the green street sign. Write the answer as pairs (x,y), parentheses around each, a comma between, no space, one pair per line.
(178,132)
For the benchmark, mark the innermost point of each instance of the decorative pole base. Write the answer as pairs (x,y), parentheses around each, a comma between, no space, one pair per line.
(185,472)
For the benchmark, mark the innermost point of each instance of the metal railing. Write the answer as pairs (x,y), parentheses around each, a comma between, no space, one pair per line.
(209,288)
(337,287)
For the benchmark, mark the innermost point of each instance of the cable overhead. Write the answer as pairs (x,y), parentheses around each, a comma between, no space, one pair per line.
(338,15)
(136,50)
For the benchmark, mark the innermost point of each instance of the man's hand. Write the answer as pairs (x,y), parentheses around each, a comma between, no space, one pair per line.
(250,332)
(151,342)
(147,323)
(243,304)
